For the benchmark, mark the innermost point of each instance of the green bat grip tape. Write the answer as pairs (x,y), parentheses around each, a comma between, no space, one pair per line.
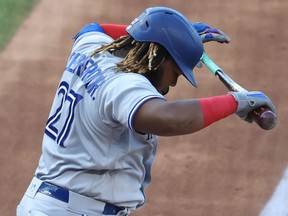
(209,64)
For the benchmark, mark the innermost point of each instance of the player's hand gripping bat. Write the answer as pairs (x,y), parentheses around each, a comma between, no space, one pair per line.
(264,117)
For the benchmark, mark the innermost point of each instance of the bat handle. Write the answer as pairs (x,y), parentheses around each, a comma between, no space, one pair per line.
(265,118)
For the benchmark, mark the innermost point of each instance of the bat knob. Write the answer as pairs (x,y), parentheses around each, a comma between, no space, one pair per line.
(265,118)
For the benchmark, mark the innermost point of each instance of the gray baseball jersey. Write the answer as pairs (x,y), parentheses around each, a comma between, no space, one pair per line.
(89,145)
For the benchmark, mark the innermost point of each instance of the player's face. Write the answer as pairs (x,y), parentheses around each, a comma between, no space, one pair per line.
(170,72)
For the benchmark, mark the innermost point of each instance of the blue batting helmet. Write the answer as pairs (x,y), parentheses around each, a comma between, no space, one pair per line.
(174,32)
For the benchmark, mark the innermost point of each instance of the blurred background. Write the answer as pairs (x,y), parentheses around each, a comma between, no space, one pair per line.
(229,168)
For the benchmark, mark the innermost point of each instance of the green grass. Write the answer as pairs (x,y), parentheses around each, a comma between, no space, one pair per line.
(12,13)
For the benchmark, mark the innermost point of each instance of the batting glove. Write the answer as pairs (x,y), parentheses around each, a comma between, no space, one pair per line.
(210,34)
(249,101)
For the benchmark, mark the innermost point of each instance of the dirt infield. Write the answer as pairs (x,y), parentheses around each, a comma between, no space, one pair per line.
(229,168)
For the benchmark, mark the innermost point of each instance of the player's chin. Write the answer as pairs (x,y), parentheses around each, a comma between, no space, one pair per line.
(164,92)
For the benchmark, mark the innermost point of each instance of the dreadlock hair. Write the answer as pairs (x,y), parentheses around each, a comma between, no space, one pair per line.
(142,57)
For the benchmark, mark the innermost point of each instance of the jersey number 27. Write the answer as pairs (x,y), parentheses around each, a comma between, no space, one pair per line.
(65,112)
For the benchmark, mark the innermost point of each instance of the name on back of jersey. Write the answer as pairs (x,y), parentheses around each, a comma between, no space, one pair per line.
(88,70)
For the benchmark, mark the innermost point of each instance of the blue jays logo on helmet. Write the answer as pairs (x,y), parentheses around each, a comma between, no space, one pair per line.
(173,31)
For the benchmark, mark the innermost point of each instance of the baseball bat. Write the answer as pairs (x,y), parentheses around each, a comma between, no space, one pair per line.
(264,117)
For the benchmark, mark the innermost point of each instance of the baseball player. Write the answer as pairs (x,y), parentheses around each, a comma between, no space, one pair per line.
(101,135)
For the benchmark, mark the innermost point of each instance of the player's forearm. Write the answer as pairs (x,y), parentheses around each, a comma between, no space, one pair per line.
(195,115)
(184,116)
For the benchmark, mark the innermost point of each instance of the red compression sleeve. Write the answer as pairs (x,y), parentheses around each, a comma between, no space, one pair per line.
(114,30)
(216,108)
